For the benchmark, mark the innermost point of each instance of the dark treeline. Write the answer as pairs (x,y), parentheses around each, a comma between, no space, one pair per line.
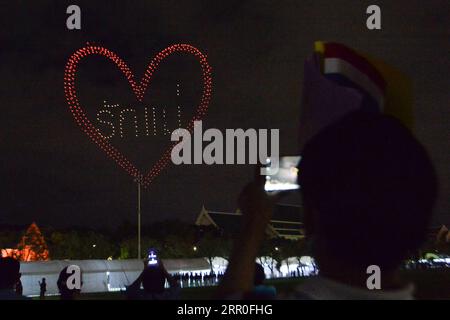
(172,238)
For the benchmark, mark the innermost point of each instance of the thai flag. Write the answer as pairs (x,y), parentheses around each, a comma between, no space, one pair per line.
(338,80)
(347,68)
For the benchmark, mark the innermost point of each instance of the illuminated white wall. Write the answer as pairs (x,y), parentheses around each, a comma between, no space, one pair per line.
(305,266)
(98,275)
(219,264)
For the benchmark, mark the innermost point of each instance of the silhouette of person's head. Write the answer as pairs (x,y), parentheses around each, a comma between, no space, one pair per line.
(64,290)
(153,280)
(260,276)
(9,272)
(368,188)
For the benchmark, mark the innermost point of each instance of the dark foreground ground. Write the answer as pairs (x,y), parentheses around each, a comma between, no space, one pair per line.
(430,284)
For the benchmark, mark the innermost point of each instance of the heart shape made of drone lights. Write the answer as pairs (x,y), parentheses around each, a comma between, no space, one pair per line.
(139,90)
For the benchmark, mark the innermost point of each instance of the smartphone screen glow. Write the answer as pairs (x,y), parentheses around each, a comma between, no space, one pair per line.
(286,177)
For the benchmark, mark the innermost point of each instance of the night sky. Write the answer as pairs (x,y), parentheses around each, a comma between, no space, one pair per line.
(53,174)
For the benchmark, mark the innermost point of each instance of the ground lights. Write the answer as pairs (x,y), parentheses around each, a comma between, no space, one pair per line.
(139,91)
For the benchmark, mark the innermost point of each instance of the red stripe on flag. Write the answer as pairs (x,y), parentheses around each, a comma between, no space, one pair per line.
(336,50)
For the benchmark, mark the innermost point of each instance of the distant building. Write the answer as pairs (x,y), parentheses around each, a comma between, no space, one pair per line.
(286,221)
(32,246)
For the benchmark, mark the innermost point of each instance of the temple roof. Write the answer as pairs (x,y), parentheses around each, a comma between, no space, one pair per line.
(286,221)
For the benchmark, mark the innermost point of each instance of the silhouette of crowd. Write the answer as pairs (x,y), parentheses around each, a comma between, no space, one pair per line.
(198,279)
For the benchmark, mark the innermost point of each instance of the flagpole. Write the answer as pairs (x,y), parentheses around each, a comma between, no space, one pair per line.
(139,181)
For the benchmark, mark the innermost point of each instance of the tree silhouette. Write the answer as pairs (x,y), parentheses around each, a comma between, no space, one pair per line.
(212,245)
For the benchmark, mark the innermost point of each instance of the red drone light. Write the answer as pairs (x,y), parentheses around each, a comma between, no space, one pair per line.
(139,90)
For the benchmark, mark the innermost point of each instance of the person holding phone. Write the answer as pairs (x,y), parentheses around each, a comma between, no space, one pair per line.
(153,279)
(368,188)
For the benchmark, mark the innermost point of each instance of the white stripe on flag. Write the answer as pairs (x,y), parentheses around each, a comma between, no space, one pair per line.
(339,66)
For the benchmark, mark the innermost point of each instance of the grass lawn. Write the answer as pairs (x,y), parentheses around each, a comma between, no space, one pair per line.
(430,284)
